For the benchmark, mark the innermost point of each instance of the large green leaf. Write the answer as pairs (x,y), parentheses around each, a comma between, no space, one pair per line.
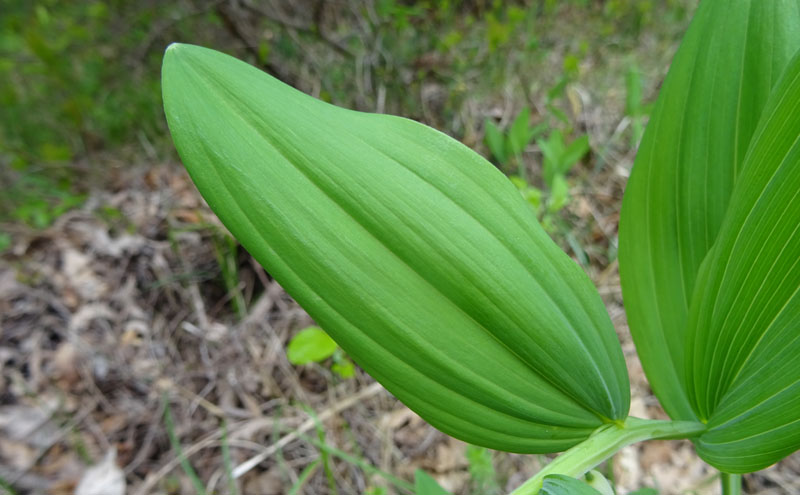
(689,159)
(743,351)
(414,253)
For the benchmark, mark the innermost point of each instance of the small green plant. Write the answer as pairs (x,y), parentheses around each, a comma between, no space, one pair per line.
(558,159)
(424,263)
(507,148)
(483,477)
(313,345)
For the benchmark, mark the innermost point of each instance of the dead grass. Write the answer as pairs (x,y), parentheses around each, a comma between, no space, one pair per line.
(104,322)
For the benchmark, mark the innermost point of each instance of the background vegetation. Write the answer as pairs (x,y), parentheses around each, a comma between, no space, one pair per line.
(79,80)
(130,321)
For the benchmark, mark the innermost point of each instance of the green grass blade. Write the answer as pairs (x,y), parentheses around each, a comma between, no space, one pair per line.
(227,463)
(325,457)
(361,463)
(6,487)
(199,487)
(305,475)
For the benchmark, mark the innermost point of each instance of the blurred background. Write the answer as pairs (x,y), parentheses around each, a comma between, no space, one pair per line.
(138,337)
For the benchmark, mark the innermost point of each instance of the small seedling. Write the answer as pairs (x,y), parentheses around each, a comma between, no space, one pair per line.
(313,345)
(559,158)
(507,148)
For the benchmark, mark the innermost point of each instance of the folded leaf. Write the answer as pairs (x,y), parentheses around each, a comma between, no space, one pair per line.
(414,253)
(743,351)
(689,159)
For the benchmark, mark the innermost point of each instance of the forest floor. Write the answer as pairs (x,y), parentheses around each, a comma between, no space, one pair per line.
(111,323)
(137,336)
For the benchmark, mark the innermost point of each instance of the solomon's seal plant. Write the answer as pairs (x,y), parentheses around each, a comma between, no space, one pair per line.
(428,268)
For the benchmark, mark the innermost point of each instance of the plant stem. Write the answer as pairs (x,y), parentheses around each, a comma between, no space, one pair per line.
(731,484)
(521,170)
(606,441)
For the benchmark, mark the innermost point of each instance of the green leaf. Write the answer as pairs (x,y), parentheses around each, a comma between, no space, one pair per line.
(574,153)
(596,480)
(344,368)
(537,131)
(519,135)
(414,253)
(744,326)
(559,195)
(559,484)
(424,484)
(496,142)
(307,472)
(558,90)
(689,159)
(531,194)
(310,345)
(553,151)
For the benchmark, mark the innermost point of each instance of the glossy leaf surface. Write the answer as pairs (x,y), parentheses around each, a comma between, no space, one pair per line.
(414,253)
(691,155)
(744,326)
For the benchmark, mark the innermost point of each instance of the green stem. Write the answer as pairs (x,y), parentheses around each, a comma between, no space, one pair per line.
(731,484)
(604,443)
(521,170)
